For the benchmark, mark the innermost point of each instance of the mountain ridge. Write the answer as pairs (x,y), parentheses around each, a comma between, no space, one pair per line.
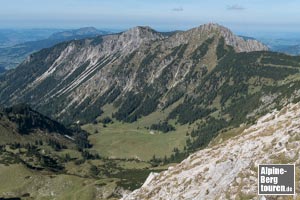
(99,54)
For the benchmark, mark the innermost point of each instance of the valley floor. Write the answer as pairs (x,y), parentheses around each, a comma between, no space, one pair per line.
(136,140)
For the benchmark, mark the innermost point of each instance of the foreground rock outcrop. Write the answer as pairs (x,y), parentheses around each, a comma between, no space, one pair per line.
(229,170)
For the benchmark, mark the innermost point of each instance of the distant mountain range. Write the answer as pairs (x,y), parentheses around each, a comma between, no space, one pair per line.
(77,34)
(284,43)
(2,69)
(11,37)
(12,56)
(288,49)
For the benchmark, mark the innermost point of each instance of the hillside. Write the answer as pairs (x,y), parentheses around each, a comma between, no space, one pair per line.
(228,169)
(20,124)
(42,159)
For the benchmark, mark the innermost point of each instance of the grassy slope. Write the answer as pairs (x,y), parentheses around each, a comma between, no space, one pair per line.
(20,180)
(133,140)
(76,181)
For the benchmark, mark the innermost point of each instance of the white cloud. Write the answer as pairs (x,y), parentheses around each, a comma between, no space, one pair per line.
(235,7)
(178,9)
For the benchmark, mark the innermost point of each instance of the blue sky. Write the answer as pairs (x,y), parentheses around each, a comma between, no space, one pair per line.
(239,15)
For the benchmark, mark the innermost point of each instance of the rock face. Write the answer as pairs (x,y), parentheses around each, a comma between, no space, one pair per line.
(229,170)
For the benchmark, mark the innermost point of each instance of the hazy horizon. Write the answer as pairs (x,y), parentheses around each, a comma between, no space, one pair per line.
(240,16)
(250,33)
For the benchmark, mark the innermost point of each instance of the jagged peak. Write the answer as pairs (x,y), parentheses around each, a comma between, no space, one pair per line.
(141,28)
(143,31)
(240,44)
(210,28)
(148,28)
(213,26)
